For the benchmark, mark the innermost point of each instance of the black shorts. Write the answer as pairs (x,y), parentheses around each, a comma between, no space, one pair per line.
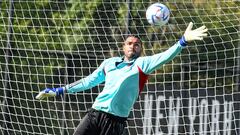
(101,123)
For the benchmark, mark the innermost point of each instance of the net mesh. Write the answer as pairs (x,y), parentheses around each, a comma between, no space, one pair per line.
(54,43)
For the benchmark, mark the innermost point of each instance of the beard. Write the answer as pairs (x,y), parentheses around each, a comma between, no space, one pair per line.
(133,55)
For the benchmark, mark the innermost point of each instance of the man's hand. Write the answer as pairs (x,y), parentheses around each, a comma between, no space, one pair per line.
(196,34)
(50,93)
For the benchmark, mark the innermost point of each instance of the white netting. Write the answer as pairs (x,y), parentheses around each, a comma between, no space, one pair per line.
(54,43)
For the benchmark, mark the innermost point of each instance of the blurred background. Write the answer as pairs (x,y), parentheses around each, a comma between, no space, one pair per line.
(51,43)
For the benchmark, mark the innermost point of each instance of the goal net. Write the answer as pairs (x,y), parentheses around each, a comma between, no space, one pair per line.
(47,43)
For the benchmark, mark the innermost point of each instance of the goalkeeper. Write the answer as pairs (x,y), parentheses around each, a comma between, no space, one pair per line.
(124,79)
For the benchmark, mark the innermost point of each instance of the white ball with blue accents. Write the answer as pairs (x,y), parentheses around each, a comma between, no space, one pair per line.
(157,14)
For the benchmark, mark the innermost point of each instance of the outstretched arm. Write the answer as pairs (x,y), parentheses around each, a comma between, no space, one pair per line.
(97,77)
(153,62)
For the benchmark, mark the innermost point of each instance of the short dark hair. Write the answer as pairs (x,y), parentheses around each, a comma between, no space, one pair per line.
(139,39)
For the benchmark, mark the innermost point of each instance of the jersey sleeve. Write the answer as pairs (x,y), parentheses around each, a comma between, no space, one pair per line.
(150,63)
(97,77)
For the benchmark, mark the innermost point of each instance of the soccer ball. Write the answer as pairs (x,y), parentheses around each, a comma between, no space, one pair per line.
(157,14)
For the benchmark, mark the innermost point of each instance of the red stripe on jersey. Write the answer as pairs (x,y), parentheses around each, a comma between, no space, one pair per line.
(104,71)
(142,79)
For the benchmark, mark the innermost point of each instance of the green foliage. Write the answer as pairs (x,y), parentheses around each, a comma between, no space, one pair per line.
(48,35)
(44,27)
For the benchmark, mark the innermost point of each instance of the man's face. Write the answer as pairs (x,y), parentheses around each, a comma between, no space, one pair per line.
(132,48)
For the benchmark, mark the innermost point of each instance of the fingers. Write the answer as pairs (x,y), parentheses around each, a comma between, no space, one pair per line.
(201,28)
(203,34)
(40,96)
(204,31)
(190,25)
(196,34)
(200,32)
(200,36)
(45,94)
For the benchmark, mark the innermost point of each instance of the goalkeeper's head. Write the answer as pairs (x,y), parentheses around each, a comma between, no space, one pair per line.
(132,48)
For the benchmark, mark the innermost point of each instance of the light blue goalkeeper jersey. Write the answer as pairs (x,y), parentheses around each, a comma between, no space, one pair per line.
(124,81)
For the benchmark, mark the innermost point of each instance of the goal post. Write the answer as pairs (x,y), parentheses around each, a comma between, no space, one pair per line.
(54,43)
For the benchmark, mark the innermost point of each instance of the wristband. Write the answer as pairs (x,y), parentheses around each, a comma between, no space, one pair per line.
(183,41)
(59,91)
